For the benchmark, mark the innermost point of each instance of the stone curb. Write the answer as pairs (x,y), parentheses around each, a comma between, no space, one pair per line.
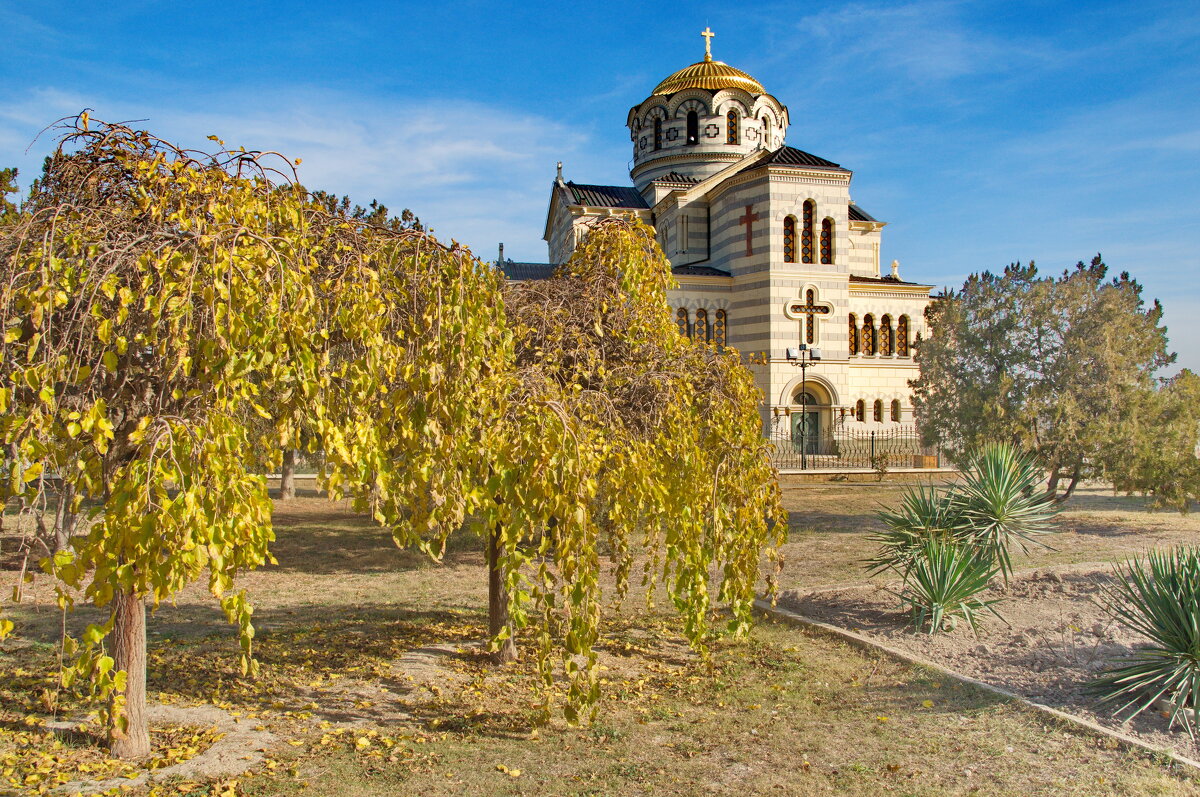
(1061,717)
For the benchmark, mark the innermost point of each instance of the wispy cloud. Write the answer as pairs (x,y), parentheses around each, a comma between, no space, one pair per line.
(474,172)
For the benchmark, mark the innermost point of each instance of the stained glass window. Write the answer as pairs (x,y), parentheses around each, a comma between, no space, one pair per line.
(811,335)
(860,410)
(731,127)
(789,239)
(853,334)
(719,324)
(885,335)
(827,241)
(868,335)
(902,336)
(681,319)
(700,331)
(806,235)
(896,410)
(879,410)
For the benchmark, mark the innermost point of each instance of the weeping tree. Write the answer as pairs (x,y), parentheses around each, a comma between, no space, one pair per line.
(594,431)
(153,300)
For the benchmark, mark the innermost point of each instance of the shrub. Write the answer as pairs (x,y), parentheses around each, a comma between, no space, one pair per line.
(944,583)
(1159,597)
(971,526)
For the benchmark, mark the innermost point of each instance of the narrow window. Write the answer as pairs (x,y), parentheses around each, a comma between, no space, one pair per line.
(853,334)
(827,241)
(719,325)
(658,133)
(885,335)
(902,336)
(806,235)
(681,319)
(811,298)
(879,410)
(896,410)
(868,335)
(789,239)
(701,332)
(683,234)
(693,127)
(731,127)
(860,411)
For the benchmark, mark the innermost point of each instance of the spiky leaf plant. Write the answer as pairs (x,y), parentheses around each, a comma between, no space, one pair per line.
(924,513)
(1000,502)
(1159,597)
(943,584)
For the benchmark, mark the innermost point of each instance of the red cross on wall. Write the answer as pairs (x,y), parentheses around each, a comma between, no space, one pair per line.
(748,220)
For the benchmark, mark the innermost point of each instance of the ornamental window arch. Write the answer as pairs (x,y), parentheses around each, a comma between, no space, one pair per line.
(700,329)
(808,216)
(869,342)
(886,346)
(789,239)
(860,411)
(896,410)
(827,241)
(877,412)
(902,345)
(853,334)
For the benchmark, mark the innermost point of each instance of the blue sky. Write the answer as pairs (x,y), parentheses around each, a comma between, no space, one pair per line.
(983,132)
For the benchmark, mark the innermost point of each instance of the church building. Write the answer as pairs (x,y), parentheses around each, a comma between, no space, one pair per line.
(770,252)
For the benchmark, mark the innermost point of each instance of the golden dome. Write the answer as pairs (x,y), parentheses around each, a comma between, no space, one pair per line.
(711,75)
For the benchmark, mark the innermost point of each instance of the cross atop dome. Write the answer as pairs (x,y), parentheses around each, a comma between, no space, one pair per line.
(708,37)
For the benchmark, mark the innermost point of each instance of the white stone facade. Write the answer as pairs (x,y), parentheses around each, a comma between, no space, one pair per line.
(721,204)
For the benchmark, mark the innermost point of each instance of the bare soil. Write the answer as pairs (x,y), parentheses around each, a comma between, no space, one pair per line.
(1055,635)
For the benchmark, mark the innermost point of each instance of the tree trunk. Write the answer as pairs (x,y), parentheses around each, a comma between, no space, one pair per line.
(64,519)
(287,478)
(498,601)
(1071,487)
(129,654)
(1052,486)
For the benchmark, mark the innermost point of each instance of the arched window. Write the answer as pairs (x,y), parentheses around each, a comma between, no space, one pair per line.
(827,241)
(896,410)
(789,239)
(658,133)
(766,131)
(902,336)
(806,235)
(700,330)
(879,410)
(885,335)
(693,127)
(860,411)
(868,335)
(853,334)
(719,324)
(731,127)
(681,319)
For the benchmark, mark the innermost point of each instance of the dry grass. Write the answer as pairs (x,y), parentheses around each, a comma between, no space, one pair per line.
(371,673)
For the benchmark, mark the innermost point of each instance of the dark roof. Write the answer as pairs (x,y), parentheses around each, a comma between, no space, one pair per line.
(606,196)
(790,156)
(889,280)
(526,271)
(676,177)
(858,214)
(699,271)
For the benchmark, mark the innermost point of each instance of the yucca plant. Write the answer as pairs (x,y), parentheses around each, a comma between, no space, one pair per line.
(1000,502)
(924,514)
(1159,597)
(943,583)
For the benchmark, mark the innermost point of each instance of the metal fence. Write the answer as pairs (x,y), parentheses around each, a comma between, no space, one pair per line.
(846,447)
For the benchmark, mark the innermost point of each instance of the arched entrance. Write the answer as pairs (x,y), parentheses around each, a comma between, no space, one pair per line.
(810,412)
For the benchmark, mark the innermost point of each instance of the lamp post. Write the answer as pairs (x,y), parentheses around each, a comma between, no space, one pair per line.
(805,358)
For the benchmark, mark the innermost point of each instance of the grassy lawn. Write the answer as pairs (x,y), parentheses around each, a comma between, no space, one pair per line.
(373,684)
